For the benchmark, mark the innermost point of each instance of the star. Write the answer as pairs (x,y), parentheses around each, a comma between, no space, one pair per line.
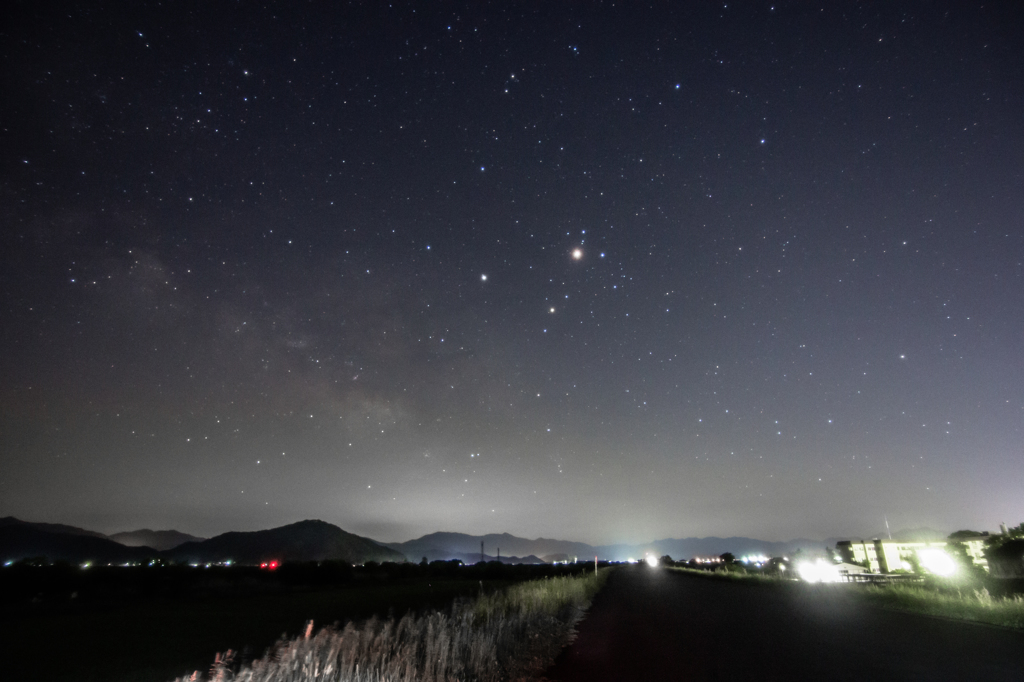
(577,254)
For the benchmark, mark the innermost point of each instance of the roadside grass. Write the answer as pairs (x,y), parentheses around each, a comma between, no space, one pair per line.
(721,574)
(509,635)
(934,598)
(968,599)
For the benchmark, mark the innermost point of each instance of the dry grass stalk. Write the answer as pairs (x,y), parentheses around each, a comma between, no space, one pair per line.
(509,635)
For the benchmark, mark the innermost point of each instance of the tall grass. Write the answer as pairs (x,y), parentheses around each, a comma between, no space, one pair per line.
(969,604)
(509,635)
(742,574)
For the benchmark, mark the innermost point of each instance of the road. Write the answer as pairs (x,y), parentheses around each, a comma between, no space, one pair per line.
(657,624)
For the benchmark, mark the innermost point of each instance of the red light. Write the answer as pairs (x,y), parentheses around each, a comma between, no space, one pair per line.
(273,565)
(263,565)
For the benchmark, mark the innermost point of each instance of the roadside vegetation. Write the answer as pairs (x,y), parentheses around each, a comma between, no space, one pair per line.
(973,596)
(512,634)
(968,601)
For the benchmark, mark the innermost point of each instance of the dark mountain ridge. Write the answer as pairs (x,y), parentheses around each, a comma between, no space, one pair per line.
(302,541)
(157,539)
(320,541)
(50,527)
(24,541)
(444,545)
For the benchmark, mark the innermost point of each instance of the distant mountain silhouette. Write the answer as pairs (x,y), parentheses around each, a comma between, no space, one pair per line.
(26,540)
(922,534)
(461,546)
(50,527)
(318,541)
(470,558)
(687,548)
(467,547)
(157,539)
(552,558)
(302,541)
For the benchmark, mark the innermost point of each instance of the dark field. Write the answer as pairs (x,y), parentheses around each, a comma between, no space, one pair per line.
(151,624)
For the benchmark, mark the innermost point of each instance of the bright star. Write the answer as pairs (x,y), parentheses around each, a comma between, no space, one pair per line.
(577,254)
(483,278)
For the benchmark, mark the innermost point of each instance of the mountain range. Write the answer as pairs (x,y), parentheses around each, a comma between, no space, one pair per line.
(467,547)
(157,539)
(302,541)
(319,541)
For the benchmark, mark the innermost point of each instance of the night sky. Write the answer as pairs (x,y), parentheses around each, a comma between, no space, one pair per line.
(588,271)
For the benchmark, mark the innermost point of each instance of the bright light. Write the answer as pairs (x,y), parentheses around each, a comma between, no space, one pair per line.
(651,560)
(818,572)
(936,561)
(577,254)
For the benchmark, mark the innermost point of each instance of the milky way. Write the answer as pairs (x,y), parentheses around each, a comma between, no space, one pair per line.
(564,270)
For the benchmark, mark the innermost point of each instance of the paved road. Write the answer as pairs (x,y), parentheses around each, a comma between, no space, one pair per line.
(655,624)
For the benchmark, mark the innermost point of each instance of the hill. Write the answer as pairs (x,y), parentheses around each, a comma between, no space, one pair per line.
(50,527)
(467,547)
(157,539)
(302,541)
(22,541)
(461,546)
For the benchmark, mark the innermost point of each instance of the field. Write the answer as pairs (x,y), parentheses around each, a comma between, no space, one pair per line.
(513,634)
(139,624)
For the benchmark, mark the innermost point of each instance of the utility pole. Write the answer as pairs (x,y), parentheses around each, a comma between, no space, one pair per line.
(481,550)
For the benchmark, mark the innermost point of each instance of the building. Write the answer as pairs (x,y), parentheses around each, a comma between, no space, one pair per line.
(887,556)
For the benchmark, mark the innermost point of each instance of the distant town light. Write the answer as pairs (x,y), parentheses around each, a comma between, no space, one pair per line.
(652,561)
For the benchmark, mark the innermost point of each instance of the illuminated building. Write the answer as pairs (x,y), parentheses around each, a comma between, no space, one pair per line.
(887,556)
